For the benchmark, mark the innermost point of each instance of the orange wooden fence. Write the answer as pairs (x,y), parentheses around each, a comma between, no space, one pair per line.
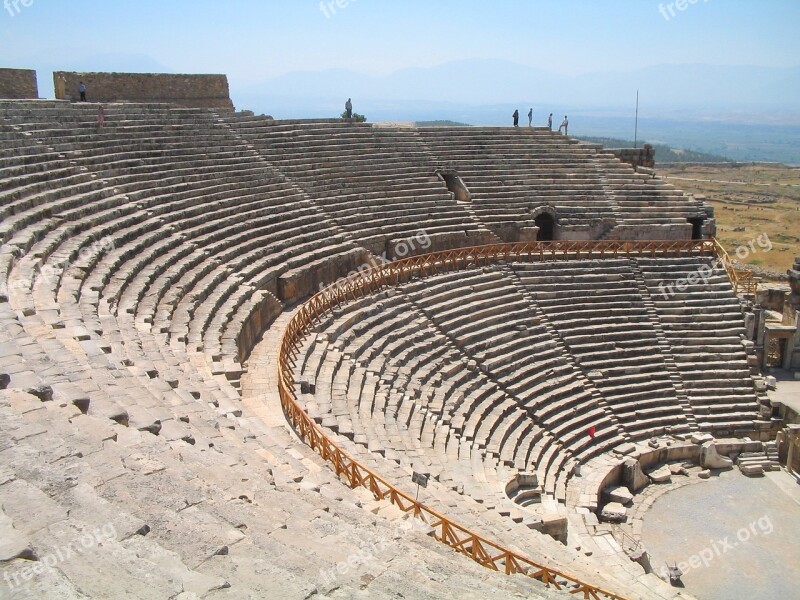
(481,549)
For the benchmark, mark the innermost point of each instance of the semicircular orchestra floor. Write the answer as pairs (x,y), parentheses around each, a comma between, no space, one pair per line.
(734,537)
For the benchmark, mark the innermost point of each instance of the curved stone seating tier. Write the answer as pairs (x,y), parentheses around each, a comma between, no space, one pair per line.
(560,347)
(141,262)
(704,326)
(511,173)
(167,516)
(599,312)
(371,182)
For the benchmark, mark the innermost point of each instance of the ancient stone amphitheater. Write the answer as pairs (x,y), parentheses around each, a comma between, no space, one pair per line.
(179,420)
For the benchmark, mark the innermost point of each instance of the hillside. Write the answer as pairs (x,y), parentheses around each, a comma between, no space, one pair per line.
(753,204)
(440,124)
(664,153)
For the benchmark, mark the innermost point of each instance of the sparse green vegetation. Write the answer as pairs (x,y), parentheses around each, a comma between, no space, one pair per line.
(357,118)
(441,124)
(664,154)
(749,201)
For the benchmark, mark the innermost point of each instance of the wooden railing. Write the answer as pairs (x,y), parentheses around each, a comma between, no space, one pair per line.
(479,548)
(742,280)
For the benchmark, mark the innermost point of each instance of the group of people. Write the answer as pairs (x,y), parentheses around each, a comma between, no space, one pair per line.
(564,124)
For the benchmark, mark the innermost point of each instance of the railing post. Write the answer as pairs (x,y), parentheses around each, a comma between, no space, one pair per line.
(482,550)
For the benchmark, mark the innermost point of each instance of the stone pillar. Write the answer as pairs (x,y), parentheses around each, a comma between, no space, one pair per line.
(792,362)
(792,433)
(750,325)
(793,349)
(759,329)
(794,283)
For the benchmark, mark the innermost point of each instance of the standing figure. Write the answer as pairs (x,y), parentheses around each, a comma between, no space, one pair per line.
(516,118)
(530,117)
(550,122)
(564,125)
(82,91)
(348,108)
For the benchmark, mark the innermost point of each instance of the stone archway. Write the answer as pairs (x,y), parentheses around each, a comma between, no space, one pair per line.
(545,219)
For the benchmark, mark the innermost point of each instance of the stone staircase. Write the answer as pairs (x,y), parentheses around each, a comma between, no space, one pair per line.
(141,262)
(756,463)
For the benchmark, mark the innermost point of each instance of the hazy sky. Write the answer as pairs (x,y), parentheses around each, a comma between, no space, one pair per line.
(255,40)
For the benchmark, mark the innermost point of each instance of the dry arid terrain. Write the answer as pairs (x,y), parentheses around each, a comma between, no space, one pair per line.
(757,207)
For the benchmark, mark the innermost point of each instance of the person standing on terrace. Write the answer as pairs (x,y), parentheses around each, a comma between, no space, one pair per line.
(516,118)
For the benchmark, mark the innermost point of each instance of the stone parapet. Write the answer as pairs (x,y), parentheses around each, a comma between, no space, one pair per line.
(190,91)
(18,84)
(636,157)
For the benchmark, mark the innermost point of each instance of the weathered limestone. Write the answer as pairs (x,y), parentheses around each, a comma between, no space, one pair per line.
(18,84)
(613,512)
(636,157)
(619,494)
(632,475)
(661,475)
(711,459)
(192,91)
(141,262)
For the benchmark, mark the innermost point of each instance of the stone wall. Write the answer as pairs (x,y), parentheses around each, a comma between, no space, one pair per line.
(192,91)
(636,157)
(18,84)
(794,283)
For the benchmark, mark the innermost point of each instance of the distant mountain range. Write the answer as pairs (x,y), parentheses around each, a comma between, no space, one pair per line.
(664,154)
(742,112)
(740,92)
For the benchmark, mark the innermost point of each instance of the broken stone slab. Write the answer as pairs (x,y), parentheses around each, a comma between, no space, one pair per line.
(752,470)
(632,475)
(626,448)
(42,392)
(711,459)
(614,512)
(704,474)
(554,525)
(702,438)
(308,385)
(68,393)
(677,469)
(642,557)
(661,475)
(591,520)
(619,494)
(13,543)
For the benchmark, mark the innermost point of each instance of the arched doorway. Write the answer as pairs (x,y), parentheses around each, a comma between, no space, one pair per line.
(547,227)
